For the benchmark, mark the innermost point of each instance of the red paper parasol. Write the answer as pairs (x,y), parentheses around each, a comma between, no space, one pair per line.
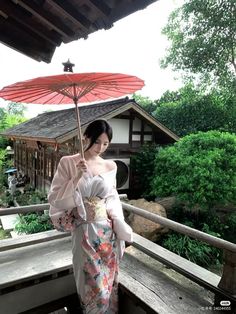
(72,88)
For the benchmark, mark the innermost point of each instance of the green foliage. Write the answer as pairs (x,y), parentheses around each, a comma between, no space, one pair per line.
(31,197)
(230,228)
(5,164)
(4,234)
(190,110)
(196,251)
(200,170)
(33,223)
(203,39)
(16,109)
(2,158)
(9,117)
(145,102)
(6,199)
(142,165)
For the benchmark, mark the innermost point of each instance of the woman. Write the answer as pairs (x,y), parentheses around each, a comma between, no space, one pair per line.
(84,200)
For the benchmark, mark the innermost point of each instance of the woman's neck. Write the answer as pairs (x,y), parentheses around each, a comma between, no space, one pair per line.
(90,157)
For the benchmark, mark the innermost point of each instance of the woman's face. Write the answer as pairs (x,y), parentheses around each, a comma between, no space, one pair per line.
(100,145)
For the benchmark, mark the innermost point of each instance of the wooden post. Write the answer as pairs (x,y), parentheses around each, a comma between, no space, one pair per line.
(228,279)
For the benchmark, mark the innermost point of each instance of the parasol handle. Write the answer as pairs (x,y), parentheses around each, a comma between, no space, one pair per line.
(79,131)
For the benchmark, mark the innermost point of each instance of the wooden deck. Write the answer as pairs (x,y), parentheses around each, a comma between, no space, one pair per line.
(37,270)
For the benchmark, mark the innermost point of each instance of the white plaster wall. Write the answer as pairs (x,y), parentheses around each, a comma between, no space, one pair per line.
(120,131)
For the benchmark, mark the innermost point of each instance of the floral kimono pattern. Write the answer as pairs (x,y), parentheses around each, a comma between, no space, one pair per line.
(90,208)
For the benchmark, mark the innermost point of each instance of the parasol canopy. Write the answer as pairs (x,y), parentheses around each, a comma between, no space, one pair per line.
(72,88)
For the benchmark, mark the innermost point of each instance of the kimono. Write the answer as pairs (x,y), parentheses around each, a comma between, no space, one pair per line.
(89,207)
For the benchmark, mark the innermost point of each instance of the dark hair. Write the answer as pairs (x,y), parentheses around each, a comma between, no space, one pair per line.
(95,129)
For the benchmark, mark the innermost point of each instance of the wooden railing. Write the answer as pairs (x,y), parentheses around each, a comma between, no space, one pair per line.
(227,283)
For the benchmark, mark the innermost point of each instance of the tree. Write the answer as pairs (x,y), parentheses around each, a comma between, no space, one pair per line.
(14,108)
(190,110)
(9,118)
(203,40)
(145,102)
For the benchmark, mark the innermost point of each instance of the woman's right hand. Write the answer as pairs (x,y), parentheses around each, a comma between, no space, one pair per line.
(81,168)
(82,165)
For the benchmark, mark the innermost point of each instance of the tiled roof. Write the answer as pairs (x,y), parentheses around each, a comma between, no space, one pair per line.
(54,124)
(58,126)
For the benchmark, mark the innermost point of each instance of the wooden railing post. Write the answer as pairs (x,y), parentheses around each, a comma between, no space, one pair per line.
(228,278)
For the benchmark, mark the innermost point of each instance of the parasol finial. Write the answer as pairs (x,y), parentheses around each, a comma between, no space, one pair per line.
(68,66)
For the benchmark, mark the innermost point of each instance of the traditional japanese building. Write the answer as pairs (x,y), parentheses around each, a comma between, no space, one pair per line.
(39,143)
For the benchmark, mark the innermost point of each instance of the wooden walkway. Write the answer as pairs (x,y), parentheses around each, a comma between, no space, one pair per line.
(37,273)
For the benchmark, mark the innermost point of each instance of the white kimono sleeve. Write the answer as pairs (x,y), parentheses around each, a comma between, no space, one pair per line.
(114,209)
(63,196)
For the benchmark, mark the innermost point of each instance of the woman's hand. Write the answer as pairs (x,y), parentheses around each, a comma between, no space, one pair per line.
(81,168)
(82,165)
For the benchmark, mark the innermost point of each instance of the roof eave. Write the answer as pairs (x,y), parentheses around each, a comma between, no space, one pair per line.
(130,105)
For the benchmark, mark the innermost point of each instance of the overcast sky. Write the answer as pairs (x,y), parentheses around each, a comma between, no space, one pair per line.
(134,45)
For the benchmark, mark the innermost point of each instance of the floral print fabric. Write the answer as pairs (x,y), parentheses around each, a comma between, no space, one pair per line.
(95,261)
(70,220)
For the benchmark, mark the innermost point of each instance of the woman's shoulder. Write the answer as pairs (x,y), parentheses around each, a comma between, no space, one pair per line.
(69,158)
(110,165)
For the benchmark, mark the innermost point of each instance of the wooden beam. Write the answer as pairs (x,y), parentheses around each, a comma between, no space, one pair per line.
(25,18)
(31,239)
(48,18)
(101,7)
(72,13)
(21,41)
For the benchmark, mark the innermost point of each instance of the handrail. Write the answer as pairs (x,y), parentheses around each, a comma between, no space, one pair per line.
(24,209)
(173,225)
(196,234)
(229,268)
(228,279)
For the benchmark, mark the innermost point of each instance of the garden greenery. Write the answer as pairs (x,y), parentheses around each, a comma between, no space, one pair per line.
(33,223)
(200,170)
(142,165)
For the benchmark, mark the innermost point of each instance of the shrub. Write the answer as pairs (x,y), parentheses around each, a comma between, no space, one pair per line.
(33,223)
(31,197)
(4,234)
(200,170)
(6,199)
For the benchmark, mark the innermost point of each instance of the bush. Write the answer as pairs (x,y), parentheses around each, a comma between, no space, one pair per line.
(33,223)
(200,170)
(31,197)
(6,199)
(4,234)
